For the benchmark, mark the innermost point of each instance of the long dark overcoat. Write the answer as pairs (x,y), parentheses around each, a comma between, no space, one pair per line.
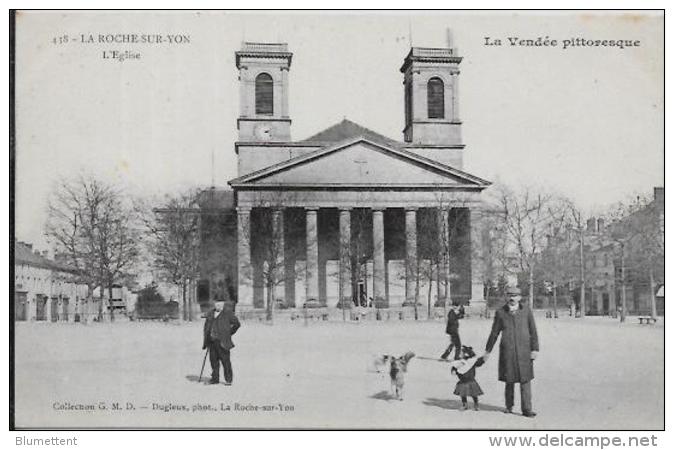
(518,339)
(221,328)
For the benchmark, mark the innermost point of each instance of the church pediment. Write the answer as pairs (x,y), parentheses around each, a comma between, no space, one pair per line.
(360,162)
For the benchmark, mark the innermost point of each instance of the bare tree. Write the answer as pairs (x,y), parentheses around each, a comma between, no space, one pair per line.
(429,255)
(174,241)
(557,258)
(526,218)
(441,233)
(269,237)
(91,228)
(567,215)
(637,229)
(497,257)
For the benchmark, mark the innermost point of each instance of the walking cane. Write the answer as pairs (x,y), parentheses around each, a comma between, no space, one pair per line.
(203,364)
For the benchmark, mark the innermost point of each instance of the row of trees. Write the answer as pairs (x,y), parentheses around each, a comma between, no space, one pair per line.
(544,235)
(108,237)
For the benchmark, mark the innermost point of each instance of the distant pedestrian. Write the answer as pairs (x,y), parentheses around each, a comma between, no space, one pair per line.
(220,325)
(456,312)
(517,351)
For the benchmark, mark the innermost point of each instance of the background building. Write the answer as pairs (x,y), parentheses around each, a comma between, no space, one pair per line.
(44,289)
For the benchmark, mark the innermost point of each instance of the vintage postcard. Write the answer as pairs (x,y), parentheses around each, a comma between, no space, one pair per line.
(338,220)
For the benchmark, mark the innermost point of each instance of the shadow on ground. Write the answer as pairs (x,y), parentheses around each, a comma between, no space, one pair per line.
(384,395)
(195,379)
(446,403)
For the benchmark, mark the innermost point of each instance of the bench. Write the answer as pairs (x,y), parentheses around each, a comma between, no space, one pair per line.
(646,320)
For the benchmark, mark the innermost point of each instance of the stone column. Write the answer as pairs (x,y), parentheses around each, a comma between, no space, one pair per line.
(245,269)
(611,298)
(410,256)
(443,266)
(378,259)
(279,266)
(345,257)
(32,306)
(50,300)
(455,97)
(477,301)
(312,254)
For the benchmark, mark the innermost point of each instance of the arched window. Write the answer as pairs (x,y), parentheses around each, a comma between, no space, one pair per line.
(436,99)
(264,95)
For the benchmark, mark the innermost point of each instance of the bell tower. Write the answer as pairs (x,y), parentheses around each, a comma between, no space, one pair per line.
(431,80)
(263,83)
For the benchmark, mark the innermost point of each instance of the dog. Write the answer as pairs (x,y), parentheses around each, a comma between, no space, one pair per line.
(397,370)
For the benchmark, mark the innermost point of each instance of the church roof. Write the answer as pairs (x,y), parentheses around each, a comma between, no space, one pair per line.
(347,129)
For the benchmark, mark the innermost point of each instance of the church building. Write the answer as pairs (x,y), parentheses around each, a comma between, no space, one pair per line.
(349,216)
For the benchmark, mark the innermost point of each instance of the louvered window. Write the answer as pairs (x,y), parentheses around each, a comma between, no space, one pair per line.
(436,99)
(264,95)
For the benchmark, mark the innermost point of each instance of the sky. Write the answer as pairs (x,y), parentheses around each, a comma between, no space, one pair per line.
(583,121)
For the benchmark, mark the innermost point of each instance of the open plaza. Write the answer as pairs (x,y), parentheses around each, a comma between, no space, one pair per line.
(592,373)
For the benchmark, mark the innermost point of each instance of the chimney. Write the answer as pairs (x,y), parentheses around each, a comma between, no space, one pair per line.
(591,225)
(600,225)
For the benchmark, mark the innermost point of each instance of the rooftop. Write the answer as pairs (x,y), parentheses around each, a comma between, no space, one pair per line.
(24,254)
(347,129)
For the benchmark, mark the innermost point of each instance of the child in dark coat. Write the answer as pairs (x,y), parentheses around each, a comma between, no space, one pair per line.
(464,369)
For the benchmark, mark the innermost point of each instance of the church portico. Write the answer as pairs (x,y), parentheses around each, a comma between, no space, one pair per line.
(379,263)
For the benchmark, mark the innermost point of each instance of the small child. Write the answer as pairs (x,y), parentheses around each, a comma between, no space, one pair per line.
(464,369)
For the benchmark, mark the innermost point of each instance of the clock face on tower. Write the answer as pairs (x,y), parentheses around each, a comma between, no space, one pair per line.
(263,132)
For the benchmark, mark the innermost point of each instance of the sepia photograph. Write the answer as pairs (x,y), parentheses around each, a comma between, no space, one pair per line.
(337,220)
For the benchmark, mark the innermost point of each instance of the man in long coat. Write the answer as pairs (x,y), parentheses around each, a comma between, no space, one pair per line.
(517,351)
(220,325)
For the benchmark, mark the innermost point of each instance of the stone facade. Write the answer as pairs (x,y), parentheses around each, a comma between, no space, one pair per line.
(349,213)
(43,290)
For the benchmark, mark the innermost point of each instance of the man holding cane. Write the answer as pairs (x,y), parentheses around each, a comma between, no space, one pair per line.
(220,325)
(517,351)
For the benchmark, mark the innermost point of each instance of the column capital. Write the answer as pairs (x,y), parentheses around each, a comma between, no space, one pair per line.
(312,208)
(243,209)
(345,209)
(378,209)
(411,208)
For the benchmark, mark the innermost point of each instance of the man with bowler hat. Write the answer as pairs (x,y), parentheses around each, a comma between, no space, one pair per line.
(220,325)
(517,351)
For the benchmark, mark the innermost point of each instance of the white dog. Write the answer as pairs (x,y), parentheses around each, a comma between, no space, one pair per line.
(397,371)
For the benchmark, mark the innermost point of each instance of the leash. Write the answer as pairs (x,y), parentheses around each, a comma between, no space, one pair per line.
(435,359)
